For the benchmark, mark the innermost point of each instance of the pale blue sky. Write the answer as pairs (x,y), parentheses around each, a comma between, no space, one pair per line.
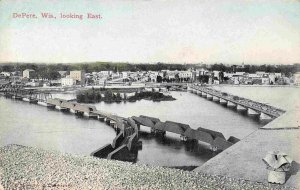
(208,31)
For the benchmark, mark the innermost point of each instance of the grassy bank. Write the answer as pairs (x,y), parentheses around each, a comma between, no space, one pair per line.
(30,168)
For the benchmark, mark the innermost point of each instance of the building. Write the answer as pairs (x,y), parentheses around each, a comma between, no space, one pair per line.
(272,78)
(185,75)
(34,84)
(106,73)
(28,73)
(67,81)
(5,74)
(265,80)
(297,78)
(78,77)
(171,75)
(124,74)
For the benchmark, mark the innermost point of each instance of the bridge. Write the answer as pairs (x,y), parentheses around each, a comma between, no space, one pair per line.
(20,93)
(215,139)
(265,112)
(126,144)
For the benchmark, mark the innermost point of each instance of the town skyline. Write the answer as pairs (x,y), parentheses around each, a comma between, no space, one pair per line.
(150,63)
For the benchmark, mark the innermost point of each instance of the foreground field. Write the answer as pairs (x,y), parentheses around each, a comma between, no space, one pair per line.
(29,168)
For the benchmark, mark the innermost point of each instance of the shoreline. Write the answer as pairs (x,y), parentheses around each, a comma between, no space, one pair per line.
(245,85)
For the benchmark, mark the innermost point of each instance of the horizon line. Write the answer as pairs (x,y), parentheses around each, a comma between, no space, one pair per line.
(150,63)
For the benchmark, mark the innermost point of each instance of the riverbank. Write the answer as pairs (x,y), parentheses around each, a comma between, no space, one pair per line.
(244,159)
(30,168)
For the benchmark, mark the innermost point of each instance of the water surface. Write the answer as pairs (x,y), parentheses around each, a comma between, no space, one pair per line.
(34,125)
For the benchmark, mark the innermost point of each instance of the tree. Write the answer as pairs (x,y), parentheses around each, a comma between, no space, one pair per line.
(221,76)
(159,79)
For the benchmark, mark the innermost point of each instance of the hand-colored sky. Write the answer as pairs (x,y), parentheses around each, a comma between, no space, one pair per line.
(190,31)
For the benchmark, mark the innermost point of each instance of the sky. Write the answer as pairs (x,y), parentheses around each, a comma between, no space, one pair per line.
(173,31)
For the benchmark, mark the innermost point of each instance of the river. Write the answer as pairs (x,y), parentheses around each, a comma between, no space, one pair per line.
(34,125)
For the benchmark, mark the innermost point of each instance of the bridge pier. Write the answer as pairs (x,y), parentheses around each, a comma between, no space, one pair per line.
(7,95)
(60,108)
(78,113)
(25,99)
(51,106)
(16,97)
(100,118)
(209,97)
(42,103)
(264,116)
(114,125)
(158,132)
(252,112)
(33,101)
(107,120)
(216,99)
(223,102)
(241,108)
(231,104)
(90,115)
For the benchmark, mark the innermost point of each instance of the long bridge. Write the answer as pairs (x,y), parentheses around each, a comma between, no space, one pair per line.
(215,139)
(266,112)
(20,93)
(127,129)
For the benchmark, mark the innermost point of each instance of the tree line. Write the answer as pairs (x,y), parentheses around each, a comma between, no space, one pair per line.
(50,71)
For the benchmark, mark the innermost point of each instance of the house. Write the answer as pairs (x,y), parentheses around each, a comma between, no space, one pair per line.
(153,76)
(260,73)
(265,80)
(5,74)
(253,76)
(296,78)
(216,74)
(67,81)
(124,74)
(34,83)
(171,75)
(78,76)
(186,75)
(272,78)
(28,73)
(106,73)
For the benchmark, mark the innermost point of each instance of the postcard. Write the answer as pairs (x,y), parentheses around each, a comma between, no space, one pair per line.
(152,94)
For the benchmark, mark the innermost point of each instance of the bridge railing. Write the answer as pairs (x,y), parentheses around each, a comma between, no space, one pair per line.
(241,101)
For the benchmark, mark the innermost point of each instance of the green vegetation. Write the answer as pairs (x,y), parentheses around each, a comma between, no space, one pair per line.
(94,96)
(155,96)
